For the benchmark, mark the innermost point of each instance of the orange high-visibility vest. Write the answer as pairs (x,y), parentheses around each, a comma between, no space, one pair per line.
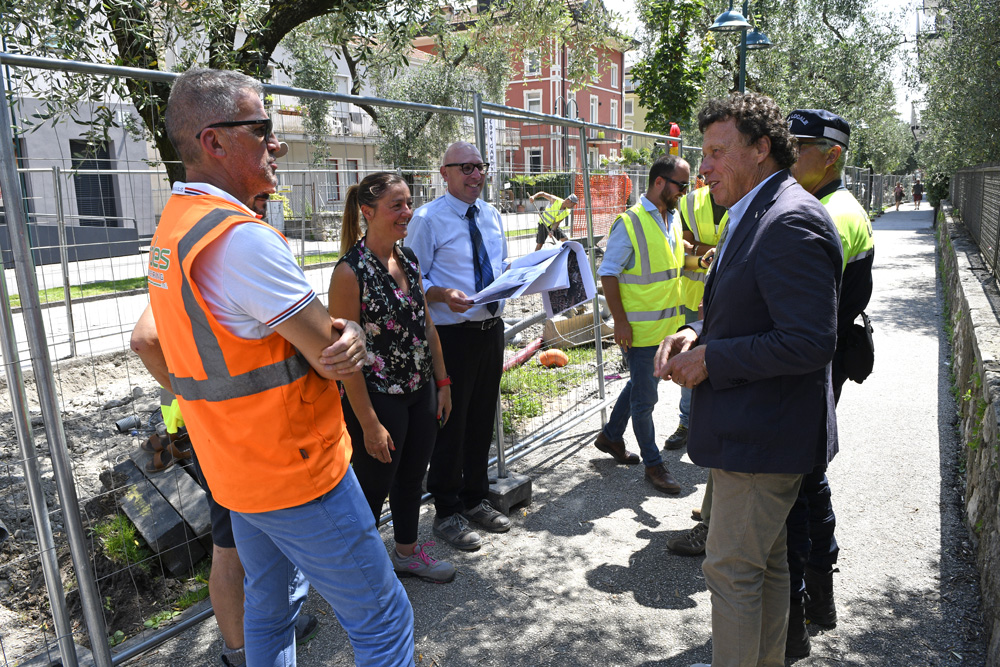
(269,431)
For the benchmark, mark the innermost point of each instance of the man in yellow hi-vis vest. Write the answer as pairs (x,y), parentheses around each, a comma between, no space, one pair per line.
(641,277)
(550,220)
(812,547)
(703,222)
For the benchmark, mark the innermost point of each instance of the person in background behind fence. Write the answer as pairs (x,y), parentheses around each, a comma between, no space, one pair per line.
(445,235)
(641,277)
(917,191)
(762,413)
(898,193)
(242,336)
(393,410)
(551,218)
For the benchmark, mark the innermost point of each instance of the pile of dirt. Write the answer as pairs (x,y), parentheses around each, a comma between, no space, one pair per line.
(93,394)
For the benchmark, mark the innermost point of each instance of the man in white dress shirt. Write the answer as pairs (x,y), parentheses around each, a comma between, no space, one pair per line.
(460,243)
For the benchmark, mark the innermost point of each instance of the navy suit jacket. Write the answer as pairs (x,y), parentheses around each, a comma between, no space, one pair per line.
(770,330)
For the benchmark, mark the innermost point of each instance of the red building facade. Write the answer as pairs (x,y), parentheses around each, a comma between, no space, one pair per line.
(540,85)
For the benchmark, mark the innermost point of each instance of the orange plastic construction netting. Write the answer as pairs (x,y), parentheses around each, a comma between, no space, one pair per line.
(608,196)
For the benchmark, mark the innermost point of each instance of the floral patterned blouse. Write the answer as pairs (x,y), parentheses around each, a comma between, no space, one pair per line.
(399,357)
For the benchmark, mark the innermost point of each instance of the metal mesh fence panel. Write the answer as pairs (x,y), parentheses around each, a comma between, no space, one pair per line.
(91,203)
(975,193)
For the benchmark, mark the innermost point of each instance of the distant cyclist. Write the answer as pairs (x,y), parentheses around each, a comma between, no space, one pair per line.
(552,217)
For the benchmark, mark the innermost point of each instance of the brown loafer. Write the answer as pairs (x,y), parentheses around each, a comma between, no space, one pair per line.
(661,478)
(616,449)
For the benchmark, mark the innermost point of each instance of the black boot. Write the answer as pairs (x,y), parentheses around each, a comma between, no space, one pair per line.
(797,641)
(820,607)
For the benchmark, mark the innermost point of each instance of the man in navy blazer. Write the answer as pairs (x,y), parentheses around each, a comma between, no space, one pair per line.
(762,410)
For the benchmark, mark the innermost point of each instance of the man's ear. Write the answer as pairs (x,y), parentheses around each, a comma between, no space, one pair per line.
(210,144)
(834,155)
(763,146)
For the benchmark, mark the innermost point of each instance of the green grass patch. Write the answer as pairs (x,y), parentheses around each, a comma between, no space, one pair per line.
(321,258)
(102,287)
(513,233)
(121,542)
(57,294)
(526,388)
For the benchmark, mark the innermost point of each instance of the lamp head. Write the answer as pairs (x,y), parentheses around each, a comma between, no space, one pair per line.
(729,21)
(756,41)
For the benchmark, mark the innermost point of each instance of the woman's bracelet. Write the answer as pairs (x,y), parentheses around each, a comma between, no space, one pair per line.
(443,383)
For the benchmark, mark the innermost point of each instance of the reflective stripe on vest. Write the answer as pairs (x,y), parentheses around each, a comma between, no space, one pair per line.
(853,225)
(650,290)
(220,384)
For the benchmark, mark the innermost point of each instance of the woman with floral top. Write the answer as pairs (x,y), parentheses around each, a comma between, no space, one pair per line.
(394,408)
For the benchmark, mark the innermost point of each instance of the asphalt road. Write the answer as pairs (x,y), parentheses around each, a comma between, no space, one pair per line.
(584,577)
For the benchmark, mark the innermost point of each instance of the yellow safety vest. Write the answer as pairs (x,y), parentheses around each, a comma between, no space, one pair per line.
(651,289)
(554,213)
(268,430)
(697,206)
(852,223)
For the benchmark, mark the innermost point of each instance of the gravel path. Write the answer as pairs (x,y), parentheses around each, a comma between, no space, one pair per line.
(584,577)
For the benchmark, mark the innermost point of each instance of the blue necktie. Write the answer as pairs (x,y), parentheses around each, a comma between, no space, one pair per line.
(480,260)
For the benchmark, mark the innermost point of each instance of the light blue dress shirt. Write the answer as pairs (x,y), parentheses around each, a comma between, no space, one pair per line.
(619,255)
(736,214)
(439,236)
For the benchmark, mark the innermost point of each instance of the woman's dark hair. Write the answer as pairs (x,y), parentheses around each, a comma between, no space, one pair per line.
(366,193)
(756,116)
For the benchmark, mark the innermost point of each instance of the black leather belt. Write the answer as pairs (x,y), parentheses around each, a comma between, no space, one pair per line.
(481,325)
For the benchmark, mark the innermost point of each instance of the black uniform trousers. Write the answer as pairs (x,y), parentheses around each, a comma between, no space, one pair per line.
(458,472)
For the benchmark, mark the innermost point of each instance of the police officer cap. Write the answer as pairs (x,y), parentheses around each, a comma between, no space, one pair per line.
(819,124)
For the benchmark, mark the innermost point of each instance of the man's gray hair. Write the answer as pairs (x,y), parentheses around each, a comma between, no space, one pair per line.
(200,97)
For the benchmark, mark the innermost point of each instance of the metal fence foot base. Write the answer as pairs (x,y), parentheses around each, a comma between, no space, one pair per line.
(510,491)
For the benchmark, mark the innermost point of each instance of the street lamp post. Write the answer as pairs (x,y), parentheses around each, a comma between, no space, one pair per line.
(732,21)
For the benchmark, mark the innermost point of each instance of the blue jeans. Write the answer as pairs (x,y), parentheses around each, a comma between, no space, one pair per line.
(685,406)
(332,542)
(637,401)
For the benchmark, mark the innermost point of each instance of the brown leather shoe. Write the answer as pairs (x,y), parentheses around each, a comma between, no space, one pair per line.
(661,478)
(616,449)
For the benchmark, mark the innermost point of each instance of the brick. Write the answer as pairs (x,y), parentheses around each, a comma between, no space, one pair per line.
(182,492)
(158,522)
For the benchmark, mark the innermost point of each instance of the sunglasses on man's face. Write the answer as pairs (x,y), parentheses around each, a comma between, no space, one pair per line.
(267,124)
(680,186)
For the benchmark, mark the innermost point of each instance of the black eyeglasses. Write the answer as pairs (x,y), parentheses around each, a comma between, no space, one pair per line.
(680,186)
(467,167)
(266,122)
